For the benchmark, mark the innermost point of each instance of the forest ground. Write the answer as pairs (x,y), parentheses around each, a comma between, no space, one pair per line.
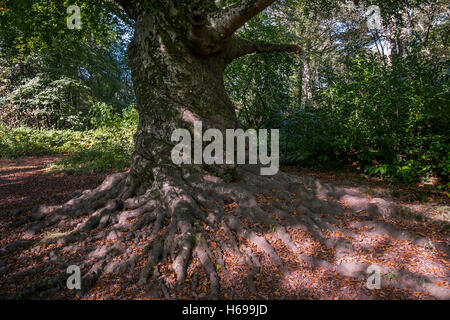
(25,183)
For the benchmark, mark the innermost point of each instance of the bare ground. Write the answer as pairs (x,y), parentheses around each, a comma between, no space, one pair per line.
(293,236)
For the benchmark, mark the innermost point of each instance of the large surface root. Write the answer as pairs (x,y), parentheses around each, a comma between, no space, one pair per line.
(196,236)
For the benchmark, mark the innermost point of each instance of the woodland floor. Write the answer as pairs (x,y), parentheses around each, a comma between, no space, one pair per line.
(395,242)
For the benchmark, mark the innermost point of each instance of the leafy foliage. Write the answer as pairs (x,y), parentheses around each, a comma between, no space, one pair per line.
(51,75)
(86,151)
(377,100)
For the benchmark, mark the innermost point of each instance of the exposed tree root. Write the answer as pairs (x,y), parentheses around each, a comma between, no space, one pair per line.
(190,236)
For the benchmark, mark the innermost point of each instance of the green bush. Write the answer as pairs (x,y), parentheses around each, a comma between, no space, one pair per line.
(99,158)
(108,147)
(392,121)
(24,141)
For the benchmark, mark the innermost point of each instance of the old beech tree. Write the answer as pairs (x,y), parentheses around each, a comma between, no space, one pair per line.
(178,55)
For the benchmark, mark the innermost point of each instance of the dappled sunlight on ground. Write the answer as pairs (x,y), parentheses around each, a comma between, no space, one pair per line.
(287,259)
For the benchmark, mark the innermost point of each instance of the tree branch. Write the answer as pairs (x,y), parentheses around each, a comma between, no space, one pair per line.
(201,36)
(235,16)
(129,6)
(240,47)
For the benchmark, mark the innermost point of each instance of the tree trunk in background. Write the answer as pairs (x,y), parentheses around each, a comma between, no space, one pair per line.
(301,71)
(307,91)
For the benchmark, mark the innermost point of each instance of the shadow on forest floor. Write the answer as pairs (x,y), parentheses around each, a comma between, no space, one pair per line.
(410,243)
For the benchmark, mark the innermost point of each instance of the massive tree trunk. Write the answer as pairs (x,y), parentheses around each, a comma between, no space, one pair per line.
(159,222)
(178,55)
(175,84)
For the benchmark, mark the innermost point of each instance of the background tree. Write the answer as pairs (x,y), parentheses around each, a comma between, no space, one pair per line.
(350,99)
(57,77)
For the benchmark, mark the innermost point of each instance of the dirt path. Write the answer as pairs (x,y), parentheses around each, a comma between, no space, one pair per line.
(405,232)
(25,184)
